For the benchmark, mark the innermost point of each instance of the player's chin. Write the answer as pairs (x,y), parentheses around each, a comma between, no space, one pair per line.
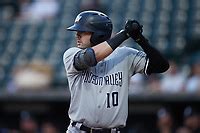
(80,46)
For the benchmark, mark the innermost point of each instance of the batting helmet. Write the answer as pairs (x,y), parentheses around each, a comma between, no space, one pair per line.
(96,22)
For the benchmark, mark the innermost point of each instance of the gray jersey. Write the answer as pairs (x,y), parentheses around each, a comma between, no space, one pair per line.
(99,95)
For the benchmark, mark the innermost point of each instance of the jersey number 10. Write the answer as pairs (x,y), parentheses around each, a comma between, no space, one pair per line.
(112,99)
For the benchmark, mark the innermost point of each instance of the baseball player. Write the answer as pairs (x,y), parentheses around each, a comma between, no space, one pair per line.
(98,72)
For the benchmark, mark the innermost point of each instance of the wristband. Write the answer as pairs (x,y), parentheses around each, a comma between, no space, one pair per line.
(115,41)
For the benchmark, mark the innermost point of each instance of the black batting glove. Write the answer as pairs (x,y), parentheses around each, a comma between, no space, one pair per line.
(133,29)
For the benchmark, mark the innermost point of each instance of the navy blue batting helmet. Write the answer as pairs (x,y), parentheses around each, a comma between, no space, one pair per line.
(96,22)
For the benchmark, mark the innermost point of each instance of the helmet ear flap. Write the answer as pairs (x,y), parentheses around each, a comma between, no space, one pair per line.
(99,38)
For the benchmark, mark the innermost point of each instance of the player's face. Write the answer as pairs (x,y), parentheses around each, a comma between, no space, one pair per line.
(83,39)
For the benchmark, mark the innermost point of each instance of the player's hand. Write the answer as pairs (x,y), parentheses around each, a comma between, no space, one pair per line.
(133,29)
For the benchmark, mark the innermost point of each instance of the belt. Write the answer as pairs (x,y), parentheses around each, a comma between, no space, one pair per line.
(95,130)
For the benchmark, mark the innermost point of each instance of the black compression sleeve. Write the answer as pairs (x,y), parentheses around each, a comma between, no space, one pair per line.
(157,63)
(115,41)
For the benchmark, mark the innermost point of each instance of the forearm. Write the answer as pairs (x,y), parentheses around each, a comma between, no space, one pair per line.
(89,57)
(104,49)
(157,63)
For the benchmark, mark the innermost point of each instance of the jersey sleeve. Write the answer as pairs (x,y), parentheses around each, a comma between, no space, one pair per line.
(138,61)
(68,59)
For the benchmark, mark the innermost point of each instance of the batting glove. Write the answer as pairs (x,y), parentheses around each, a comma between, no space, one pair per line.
(133,29)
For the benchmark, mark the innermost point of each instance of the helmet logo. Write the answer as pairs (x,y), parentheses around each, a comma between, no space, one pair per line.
(78,19)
